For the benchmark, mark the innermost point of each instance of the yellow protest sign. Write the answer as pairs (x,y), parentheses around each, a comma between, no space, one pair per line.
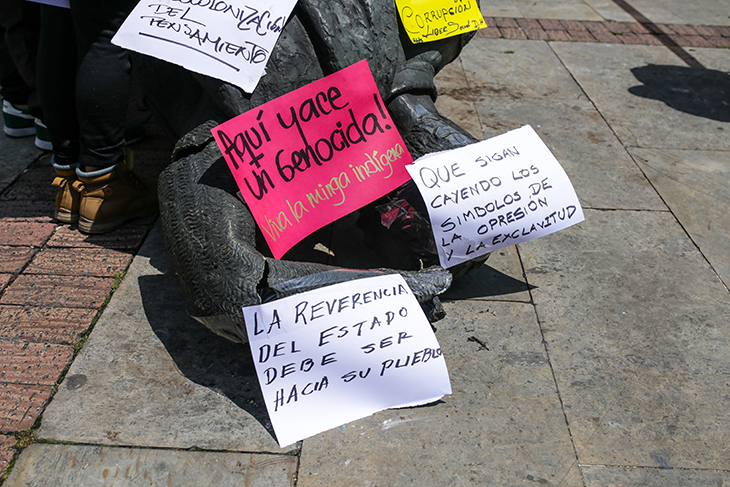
(430,20)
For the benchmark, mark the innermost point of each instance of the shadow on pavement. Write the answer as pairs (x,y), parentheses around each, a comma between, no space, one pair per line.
(228,368)
(484,282)
(697,91)
(202,356)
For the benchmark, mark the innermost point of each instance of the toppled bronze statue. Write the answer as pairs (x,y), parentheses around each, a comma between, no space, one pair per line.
(209,231)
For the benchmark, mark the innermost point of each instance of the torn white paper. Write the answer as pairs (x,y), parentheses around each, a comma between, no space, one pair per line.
(339,353)
(499,192)
(230,40)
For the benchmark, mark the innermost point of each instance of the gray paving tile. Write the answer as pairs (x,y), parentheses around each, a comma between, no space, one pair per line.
(713,58)
(702,12)
(456,98)
(610,11)
(564,10)
(654,419)
(150,375)
(499,278)
(516,69)
(567,9)
(461,110)
(500,8)
(451,77)
(92,466)
(601,476)
(601,171)
(635,323)
(660,12)
(650,98)
(532,87)
(696,187)
(503,424)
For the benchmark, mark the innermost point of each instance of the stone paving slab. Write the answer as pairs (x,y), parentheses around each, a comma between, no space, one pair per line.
(602,172)
(456,98)
(516,69)
(657,11)
(500,8)
(650,98)
(709,12)
(609,10)
(694,186)
(503,424)
(148,362)
(601,476)
(461,111)
(566,9)
(635,326)
(715,59)
(500,278)
(92,466)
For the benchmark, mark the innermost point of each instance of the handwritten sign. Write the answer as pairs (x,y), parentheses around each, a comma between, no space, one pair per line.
(314,155)
(226,39)
(430,20)
(339,353)
(496,193)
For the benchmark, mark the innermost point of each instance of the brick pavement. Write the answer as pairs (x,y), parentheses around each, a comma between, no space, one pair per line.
(607,31)
(54,283)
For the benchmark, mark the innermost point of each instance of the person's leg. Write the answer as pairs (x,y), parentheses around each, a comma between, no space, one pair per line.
(110,191)
(14,89)
(20,30)
(21,22)
(55,82)
(12,86)
(102,83)
(18,122)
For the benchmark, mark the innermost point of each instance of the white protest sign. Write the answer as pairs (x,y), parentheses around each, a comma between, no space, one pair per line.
(339,353)
(498,192)
(230,40)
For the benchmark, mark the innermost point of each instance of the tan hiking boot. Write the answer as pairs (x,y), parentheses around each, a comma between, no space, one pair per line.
(67,198)
(109,200)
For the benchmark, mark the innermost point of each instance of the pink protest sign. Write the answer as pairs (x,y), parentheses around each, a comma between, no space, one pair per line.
(314,155)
